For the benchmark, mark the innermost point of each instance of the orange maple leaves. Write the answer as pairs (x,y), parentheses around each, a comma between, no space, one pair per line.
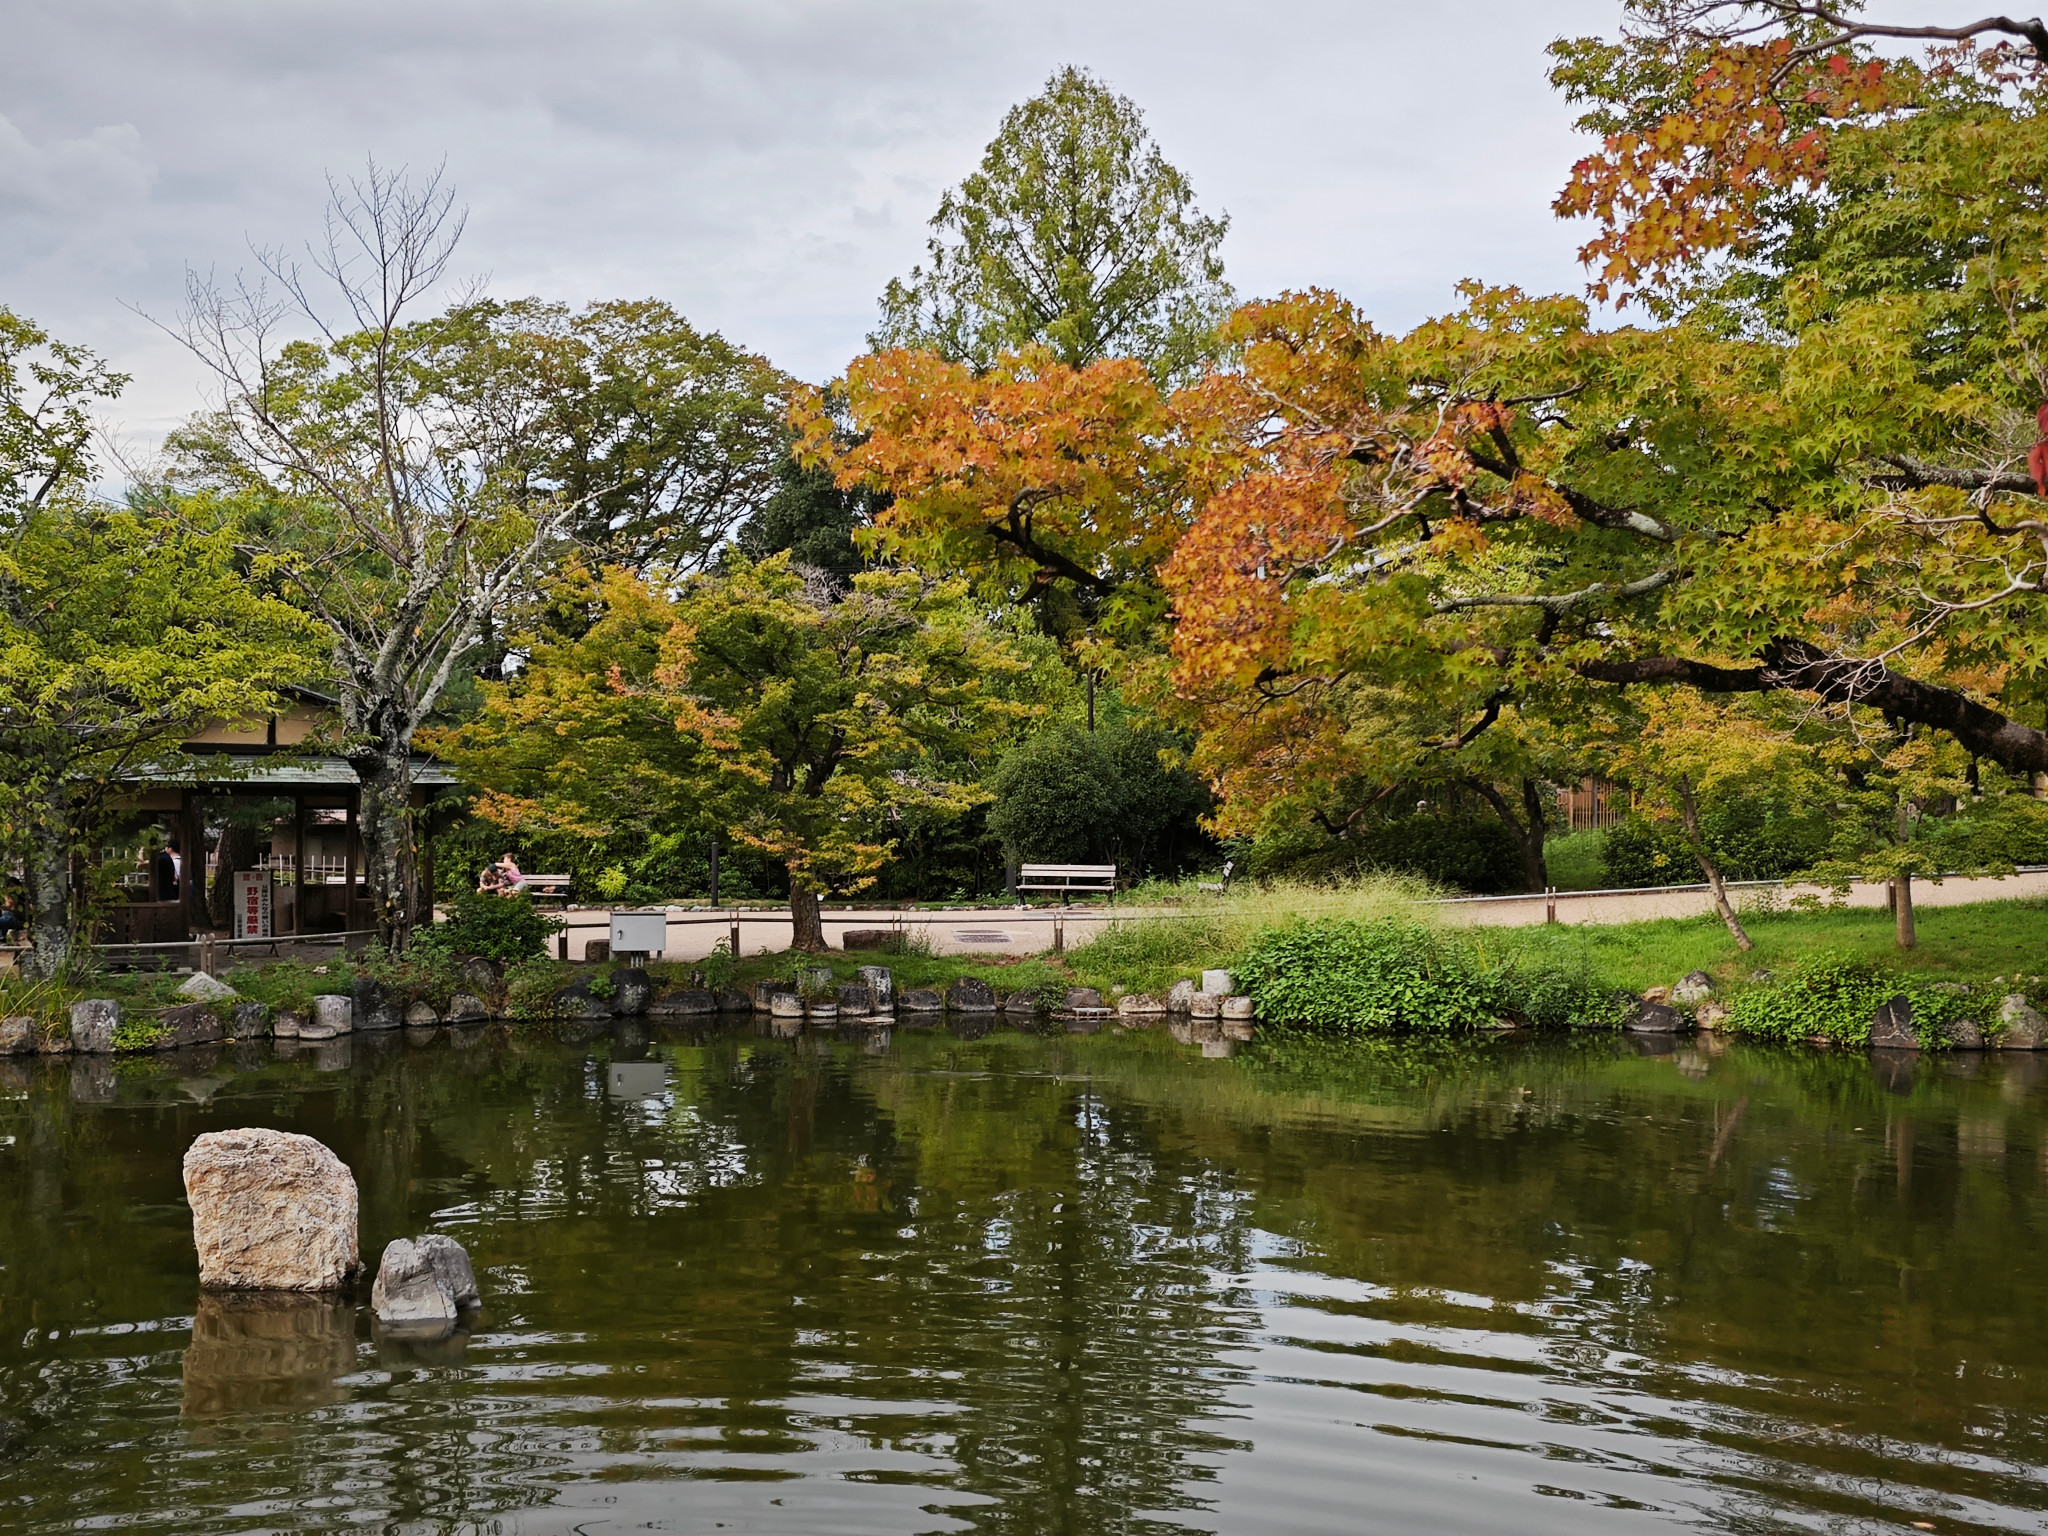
(1757,124)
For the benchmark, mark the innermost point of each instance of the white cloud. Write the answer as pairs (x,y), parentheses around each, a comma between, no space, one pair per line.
(766,165)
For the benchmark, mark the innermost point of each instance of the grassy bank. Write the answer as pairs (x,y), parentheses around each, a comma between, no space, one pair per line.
(1554,975)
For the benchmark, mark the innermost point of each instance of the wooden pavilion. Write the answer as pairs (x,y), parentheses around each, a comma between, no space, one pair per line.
(279,818)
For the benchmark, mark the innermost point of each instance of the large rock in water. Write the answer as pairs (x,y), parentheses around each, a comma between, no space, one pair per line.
(423,1281)
(271,1211)
(93,1023)
(881,987)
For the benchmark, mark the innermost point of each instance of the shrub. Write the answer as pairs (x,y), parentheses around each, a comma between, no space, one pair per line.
(530,987)
(1368,978)
(1561,992)
(1831,997)
(1457,847)
(1069,795)
(503,928)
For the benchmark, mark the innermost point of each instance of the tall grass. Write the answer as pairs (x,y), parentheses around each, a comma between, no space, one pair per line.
(1203,930)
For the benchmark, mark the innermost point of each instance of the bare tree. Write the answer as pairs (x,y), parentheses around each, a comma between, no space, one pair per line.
(383,501)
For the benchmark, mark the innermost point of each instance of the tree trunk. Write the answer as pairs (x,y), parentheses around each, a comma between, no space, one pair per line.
(805,917)
(236,851)
(388,856)
(1902,911)
(1697,841)
(1528,835)
(49,885)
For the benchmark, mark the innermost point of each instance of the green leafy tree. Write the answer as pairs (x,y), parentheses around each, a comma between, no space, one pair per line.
(803,718)
(660,438)
(122,629)
(401,512)
(1074,234)
(1117,795)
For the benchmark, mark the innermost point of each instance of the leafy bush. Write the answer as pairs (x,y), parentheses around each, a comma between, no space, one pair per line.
(140,1032)
(1829,996)
(1458,847)
(504,928)
(1368,978)
(1751,837)
(1561,992)
(1069,795)
(530,987)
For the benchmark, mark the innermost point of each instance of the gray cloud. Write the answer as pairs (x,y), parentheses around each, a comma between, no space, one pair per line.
(766,165)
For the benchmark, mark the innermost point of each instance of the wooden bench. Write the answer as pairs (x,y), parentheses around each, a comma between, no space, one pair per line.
(543,887)
(10,956)
(1066,879)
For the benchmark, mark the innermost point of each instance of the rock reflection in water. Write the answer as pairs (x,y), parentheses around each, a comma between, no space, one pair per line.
(420,1346)
(266,1351)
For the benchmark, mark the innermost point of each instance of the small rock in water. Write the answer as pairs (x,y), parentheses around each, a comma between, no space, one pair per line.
(1180,997)
(922,1000)
(423,1280)
(1964,1035)
(271,1211)
(202,988)
(1891,1026)
(1216,983)
(421,1016)
(1711,1015)
(2021,1026)
(1693,987)
(1653,1018)
(467,1008)
(970,994)
(17,1036)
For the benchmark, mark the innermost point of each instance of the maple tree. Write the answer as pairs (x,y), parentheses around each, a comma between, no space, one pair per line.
(1051,484)
(803,719)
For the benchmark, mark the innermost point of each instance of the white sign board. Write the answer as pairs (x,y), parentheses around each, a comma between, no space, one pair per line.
(252,904)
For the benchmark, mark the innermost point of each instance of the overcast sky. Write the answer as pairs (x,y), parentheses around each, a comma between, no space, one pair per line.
(764,165)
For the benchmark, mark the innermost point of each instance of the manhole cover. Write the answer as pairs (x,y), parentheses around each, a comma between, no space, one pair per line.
(980,936)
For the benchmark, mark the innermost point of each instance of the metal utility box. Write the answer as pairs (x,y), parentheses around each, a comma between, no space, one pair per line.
(639,933)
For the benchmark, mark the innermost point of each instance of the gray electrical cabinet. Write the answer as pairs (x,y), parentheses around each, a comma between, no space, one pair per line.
(639,933)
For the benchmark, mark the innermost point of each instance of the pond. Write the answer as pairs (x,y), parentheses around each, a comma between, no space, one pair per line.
(915,1282)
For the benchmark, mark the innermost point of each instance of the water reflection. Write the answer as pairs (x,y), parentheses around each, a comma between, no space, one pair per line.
(969,1277)
(269,1351)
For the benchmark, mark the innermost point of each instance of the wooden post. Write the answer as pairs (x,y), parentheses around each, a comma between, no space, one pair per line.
(735,919)
(1550,903)
(298,862)
(348,863)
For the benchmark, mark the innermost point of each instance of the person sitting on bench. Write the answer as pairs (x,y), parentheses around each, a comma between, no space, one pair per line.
(12,920)
(501,878)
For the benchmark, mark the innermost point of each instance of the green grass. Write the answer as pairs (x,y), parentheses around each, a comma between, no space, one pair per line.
(1975,942)
(1573,859)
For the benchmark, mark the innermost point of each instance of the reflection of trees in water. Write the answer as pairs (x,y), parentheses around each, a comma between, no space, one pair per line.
(999,1269)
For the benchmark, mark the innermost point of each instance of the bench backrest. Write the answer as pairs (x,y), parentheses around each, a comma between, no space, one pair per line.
(1067,874)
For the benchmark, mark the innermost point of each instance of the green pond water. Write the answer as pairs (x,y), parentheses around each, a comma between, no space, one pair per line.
(915,1282)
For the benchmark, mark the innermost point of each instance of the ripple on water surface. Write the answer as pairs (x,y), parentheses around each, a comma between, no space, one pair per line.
(1018,1284)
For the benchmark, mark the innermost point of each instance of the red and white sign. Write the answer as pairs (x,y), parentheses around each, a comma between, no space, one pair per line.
(252,904)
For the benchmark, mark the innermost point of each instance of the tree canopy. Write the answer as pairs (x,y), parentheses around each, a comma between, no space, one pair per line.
(1074,234)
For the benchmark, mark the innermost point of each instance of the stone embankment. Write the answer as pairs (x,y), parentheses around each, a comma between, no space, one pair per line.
(1690,1004)
(98,1026)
